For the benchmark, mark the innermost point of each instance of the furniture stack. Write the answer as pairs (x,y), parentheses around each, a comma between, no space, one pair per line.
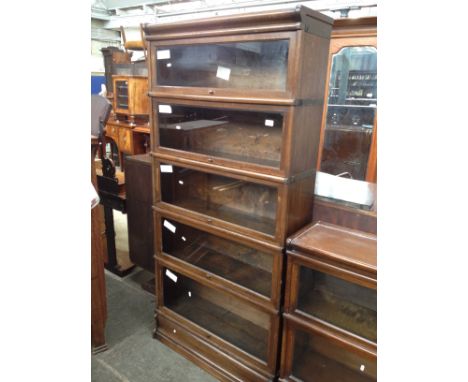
(330,318)
(128,127)
(237,105)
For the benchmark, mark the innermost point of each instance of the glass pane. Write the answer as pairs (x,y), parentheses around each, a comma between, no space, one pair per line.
(221,314)
(259,65)
(236,201)
(319,360)
(235,262)
(352,102)
(343,304)
(122,94)
(247,136)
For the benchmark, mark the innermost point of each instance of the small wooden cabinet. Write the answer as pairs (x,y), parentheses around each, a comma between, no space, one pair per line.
(131,96)
(236,110)
(330,319)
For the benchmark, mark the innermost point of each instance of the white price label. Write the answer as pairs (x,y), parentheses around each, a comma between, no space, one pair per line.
(166,168)
(171,227)
(163,54)
(269,122)
(166,109)
(223,73)
(171,275)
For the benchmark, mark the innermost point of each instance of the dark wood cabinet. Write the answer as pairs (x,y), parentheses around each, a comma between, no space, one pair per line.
(236,111)
(330,319)
(138,180)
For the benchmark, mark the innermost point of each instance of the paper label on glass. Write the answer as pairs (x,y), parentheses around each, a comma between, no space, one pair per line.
(171,227)
(167,109)
(269,122)
(163,54)
(171,275)
(223,73)
(166,168)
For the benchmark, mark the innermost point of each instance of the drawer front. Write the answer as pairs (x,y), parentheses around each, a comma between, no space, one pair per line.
(221,134)
(126,140)
(258,65)
(233,203)
(112,132)
(314,356)
(248,271)
(240,328)
(321,293)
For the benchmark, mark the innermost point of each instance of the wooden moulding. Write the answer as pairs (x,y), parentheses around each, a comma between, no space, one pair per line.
(293,205)
(269,303)
(255,22)
(219,351)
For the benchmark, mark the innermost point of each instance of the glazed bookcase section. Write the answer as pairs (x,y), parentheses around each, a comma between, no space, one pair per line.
(250,271)
(265,210)
(332,279)
(264,141)
(313,355)
(336,301)
(256,66)
(253,57)
(241,136)
(237,327)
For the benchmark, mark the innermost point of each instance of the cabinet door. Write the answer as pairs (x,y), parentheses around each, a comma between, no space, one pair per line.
(238,324)
(247,66)
(317,357)
(240,137)
(349,306)
(249,271)
(229,202)
(121,95)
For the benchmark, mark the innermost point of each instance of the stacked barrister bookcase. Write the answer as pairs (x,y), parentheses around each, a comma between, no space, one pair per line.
(237,105)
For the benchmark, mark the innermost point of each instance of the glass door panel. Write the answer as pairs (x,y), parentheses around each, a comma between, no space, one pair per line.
(221,314)
(256,65)
(246,136)
(317,359)
(339,302)
(235,201)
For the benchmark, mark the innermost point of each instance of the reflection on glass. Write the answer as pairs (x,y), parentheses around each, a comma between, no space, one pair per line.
(258,65)
(343,304)
(233,261)
(221,314)
(236,201)
(352,102)
(320,360)
(247,136)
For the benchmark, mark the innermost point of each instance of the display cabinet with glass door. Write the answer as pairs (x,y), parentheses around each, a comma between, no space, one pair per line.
(348,139)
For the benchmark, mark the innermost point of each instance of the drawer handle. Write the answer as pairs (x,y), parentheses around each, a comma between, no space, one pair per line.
(209,220)
(210,160)
(211,91)
(208,276)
